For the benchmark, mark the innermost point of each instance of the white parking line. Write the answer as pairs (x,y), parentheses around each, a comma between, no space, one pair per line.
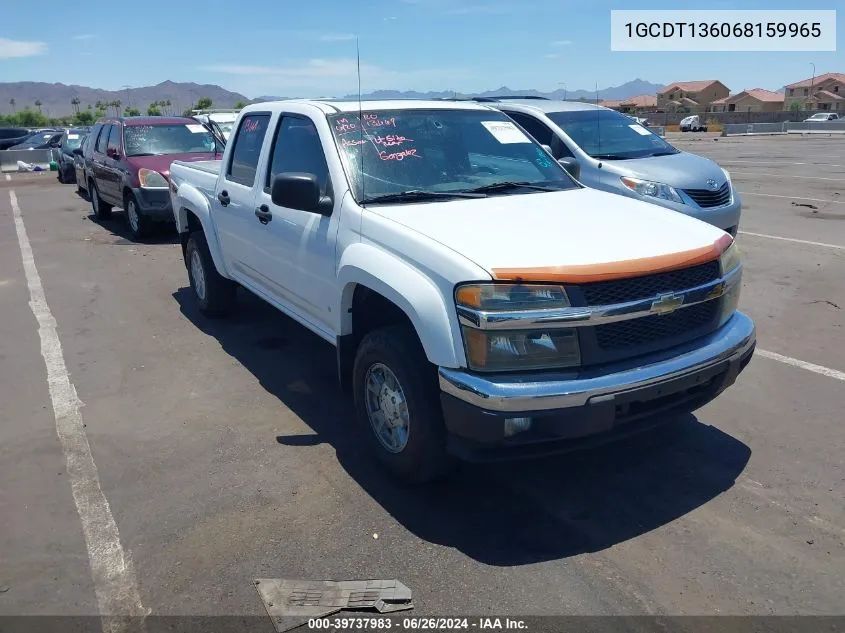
(114,578)
(817,369)
(771,195)
(780,163)
(8,177)
(792,239)
(749,173)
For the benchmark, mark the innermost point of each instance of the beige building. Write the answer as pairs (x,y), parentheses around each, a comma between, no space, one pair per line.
(825,92)
(751,100)
(691,96)
(632,105)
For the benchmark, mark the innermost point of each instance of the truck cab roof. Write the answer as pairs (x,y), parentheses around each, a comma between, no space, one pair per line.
(334,106)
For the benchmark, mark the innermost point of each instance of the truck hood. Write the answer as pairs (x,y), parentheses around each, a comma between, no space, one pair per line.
(577,235)
(161,163)
(682,171)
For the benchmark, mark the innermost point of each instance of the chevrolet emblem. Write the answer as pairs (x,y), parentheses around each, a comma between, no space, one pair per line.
(667,304)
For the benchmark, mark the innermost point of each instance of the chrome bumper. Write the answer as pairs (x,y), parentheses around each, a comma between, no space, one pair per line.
(524,393)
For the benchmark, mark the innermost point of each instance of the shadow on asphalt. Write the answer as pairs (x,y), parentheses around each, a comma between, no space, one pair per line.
(116,225)
(504,515)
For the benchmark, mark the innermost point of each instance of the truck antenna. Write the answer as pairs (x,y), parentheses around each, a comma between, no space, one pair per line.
(360,114)
(598,122)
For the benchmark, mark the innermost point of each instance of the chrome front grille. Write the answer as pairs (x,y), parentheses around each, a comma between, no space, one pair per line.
(707,198)
(685,322)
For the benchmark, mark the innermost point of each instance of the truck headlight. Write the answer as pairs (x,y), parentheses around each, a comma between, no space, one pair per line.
(652,189)
(728,262)
(151,179)
(514,350)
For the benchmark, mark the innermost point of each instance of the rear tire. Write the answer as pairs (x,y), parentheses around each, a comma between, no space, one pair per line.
(214,293)
(396,392)
(102,211)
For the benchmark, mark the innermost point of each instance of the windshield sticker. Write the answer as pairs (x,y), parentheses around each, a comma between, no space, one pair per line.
(542,158)
(505,132)
(639,129)
(195,128)
(72,137)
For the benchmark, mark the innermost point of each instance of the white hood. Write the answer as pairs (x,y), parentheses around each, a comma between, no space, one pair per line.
(575,229)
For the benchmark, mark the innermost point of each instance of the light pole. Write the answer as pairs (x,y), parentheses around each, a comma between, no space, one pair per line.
(563,83)
(813,80)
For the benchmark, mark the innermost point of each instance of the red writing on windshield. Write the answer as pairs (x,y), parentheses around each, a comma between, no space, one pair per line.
(405,153)
(391,140)
(251,125)
(344,126)
(372,120)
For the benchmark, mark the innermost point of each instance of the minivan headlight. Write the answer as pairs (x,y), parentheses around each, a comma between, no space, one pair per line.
(729,259)
(151,179)
(652,189)
(514,350)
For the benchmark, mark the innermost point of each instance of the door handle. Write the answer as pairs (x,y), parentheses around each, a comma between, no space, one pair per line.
(263,214)
(224,198)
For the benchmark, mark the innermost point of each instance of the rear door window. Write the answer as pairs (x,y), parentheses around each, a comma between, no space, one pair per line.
(246,150)
(102,139)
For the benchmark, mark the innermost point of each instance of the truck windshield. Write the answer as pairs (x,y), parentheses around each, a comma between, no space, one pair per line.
(175,138)
(441,152)
(611,135)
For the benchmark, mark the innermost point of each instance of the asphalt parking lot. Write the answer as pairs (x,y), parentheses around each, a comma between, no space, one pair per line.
(225,453)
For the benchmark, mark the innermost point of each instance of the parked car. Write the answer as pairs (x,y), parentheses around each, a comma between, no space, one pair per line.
(129,165)
(692,124)
(79,169)
(221,121)
(822,116)
(10,136)
(482,302)
(45,139)
(70,140)
(608,151)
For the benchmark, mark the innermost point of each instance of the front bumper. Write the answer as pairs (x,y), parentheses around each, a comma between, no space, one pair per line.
(154,203)
(574,408)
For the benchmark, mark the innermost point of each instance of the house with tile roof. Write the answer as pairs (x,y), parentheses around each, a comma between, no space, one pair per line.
(750,100)
(638,104)
(691,96)
(825,92)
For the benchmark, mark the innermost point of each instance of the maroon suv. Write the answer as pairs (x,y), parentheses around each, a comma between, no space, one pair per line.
(127,163)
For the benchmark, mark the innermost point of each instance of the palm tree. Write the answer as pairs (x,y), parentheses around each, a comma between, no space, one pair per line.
(75,103)
(38,104)
(12,103)
(116,105)
(166,105)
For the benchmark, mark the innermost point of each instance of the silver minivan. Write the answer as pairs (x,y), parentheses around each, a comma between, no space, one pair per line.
(606,150)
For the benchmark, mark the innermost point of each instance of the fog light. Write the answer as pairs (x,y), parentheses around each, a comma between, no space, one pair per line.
(516,425)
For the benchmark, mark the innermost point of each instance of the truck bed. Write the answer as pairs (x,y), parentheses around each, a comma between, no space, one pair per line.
(201,174)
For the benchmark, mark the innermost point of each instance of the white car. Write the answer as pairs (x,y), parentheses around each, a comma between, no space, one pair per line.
(822,116)
(481,301)
(692,124)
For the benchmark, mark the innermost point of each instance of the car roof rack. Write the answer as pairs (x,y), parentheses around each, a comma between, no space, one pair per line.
(536,97)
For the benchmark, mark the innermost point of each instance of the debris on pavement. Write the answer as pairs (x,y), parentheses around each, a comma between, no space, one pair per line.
(291,603)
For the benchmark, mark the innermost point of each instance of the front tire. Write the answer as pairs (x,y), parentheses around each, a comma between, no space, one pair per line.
(398,405)
(214,293)
(140,225)
(102,211)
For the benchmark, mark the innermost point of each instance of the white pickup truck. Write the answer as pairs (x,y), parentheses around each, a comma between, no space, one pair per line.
(483,303)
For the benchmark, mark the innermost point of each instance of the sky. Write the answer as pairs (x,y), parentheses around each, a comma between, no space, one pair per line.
(307,49)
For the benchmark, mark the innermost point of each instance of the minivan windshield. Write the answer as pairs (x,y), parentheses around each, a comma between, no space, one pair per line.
(610,135)
(170,138)
(73,140)
(426,154)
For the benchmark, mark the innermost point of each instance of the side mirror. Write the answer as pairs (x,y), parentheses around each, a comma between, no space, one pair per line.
(547,148)
(301,191)
(572,166)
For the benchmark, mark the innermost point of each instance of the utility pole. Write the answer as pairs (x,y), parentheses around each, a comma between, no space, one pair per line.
(563,83)
(126,87)
(813,80)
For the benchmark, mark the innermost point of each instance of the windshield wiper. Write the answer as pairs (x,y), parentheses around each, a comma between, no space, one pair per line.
(505,186)
(664,154)
(419,194)
(143,154)
(611,156)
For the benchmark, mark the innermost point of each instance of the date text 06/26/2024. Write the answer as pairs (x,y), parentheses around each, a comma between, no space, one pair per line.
(723,30)
(417,624)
